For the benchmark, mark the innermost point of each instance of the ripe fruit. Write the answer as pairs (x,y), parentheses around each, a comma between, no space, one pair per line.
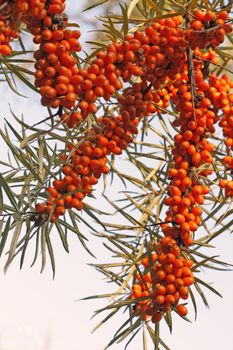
(146,72)
(182,310)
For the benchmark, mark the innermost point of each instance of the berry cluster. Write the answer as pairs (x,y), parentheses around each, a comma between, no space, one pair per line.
(140,54)
(166,64)
(163,280)
(135,102)
(192,155)
(55,63)
(85,166)
(208,29)
(167,274)
(222,99)
(8,31)
(199,99)
(88,159)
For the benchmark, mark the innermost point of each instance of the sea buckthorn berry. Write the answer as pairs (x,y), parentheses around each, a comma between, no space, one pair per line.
(188,281)
(179,218)
(184,293)
(161,275)
(178,263)
(160,299)
(182,310)
(40,208)
(170,278)
(157,317)
(171,288)
(170,299)
(161,290)
(53,192)
(60,210)
(170,258)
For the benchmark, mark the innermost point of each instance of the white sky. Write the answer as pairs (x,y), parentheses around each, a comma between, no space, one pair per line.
(39,313)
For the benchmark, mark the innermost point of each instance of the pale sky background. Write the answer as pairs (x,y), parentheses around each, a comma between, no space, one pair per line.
(39,313)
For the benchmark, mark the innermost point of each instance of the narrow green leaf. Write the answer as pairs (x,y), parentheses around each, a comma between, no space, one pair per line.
(43,247)
(131,338)
(208,287)
(1,200)
(22,78)
(201,294)
(164,345)
(9,82)
(98,3)
(36,247)
(111,314)
(9,193)
(4,235)
(26,241)
(121,336)
(62,236)
(125,26)
(132,5)
(154,334)
(50,252)
(168,320)
(194,302)
(13,245)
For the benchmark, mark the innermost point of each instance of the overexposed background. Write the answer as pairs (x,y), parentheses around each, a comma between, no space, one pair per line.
(39,313)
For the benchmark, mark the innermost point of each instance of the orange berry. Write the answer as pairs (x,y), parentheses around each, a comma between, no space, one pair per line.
(170,299)
(182,310)
(156,317)
(179,218)
(40,208)
(188,281)
(161,275)
(160,299)
(161,290)
(60,210)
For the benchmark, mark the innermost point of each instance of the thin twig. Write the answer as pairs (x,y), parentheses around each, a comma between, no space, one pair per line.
(144,92)
(58,113)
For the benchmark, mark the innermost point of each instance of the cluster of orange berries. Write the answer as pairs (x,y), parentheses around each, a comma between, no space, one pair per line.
(191,156)
(85,166)
(88,159)
(155,65)
(222,99)
(56,66)
(102,79)
(140,54)
(227,185)
(198,108)
(164,279)
(141,100)
(150,56)
(30,12)
(8,30)
(55,63)
(6,35)
(208,29)
(207,55)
